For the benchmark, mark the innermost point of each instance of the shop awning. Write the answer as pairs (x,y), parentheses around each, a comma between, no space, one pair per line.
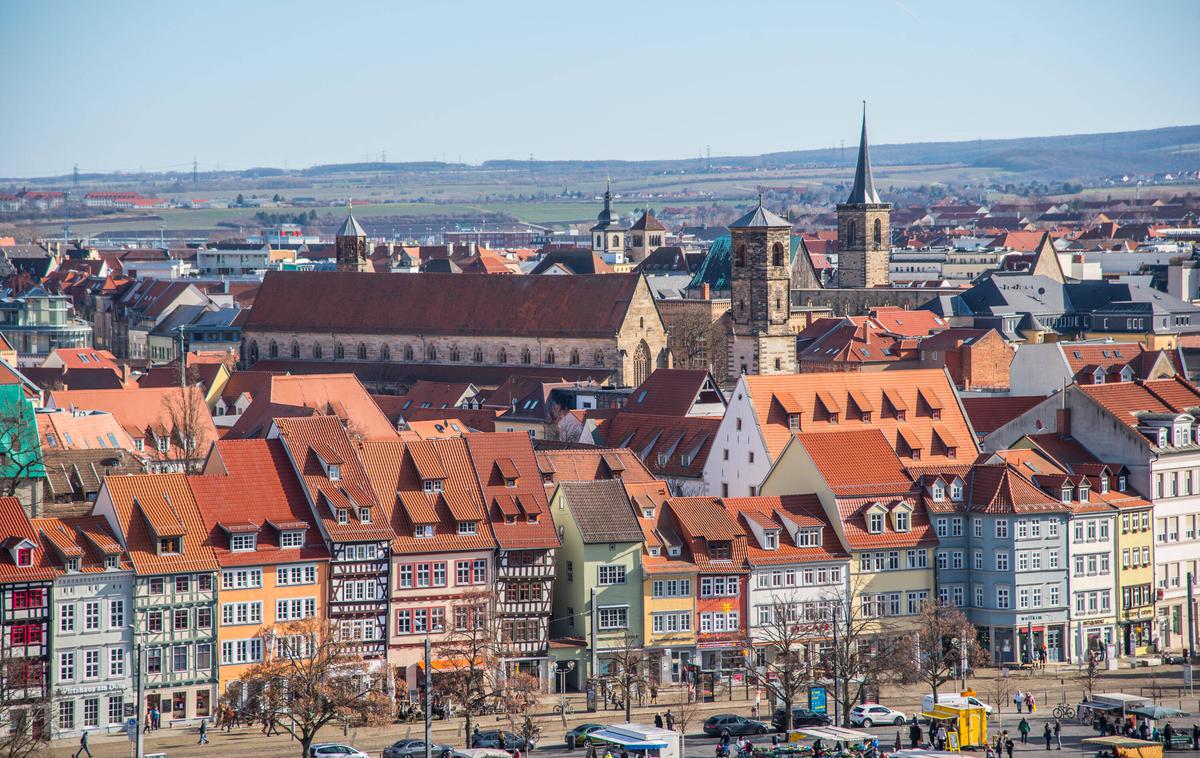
(835,734)
(626,741)
(448,664)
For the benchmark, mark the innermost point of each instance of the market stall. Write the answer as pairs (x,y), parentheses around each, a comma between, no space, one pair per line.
(640,740)
(831,741)
(1124,747)
(966,725)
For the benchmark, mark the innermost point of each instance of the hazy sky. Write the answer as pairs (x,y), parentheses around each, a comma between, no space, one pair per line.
(129,85)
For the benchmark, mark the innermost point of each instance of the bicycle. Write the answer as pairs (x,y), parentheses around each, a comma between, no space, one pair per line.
(563,709)
(1063,711)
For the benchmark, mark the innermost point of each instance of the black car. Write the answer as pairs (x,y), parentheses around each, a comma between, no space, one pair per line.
(800,717)
(491,738)
(717,725)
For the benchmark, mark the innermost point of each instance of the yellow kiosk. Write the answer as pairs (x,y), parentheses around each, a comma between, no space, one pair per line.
(966,725)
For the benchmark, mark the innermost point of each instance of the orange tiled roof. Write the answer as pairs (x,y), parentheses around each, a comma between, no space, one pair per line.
(534,529)
(87,538)
(16,527)
(884,391)
(142,499)
(661,442)
(701,521)
(340,395)
(1124,399)
(856,461)
(252,482)
(140,412)
(583,464)
(781,513)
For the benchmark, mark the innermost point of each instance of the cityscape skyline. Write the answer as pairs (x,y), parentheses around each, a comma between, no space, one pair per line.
(460,97)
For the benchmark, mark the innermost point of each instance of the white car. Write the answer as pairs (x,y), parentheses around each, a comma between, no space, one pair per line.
(335,750)
(873,713)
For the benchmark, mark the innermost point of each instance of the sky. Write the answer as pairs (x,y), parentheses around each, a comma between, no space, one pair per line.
(153,85)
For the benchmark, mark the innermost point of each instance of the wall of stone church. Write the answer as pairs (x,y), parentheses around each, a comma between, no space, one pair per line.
(855,302)
(642,322)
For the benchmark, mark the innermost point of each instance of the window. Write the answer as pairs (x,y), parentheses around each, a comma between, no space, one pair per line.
(154,660)
(1002,560)
(204,617)
(875,523)
(116,613)
(1001,528)
(286,576)
(116,709)
(91,664)
(91,615)
(91,712)
(614,617)
(180,621)
(182,583)
(204,583)
(240,651)
(238,614)
(66,666)
(291,539)
(240,579)
(1002,598)
(672,588)
(240,543)
(467,527)
(942,526)
(66,714)
(66,617)
(903,520)
(423,530)
(116,661)
(294,609)
(977,527)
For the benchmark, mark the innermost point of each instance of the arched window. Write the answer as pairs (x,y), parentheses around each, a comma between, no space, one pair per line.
(616,241)
(741,306)
(317,350)
(431,353)
(385,352)
(295,349)
(550,357)
(851,233)
(339,351)
(479,355)
(777,254)
(598,360)
(362,351)
(408,353)
(878,232)
(273,350)
(574,359)
(741,256)
(526,356)
(454,356)
(502,356)
(253,351)
(641,363)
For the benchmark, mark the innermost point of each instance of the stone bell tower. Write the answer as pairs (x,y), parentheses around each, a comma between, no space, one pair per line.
(864,227)
(760,293)
(351,245)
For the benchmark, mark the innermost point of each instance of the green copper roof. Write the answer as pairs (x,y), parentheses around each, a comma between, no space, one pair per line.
(714,271)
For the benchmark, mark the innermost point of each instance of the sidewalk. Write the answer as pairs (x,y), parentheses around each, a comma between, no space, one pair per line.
(1058,684)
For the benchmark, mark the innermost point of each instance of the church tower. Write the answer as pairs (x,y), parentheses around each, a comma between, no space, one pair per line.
(608,235)
(351,245)
(864,227)
(760,294)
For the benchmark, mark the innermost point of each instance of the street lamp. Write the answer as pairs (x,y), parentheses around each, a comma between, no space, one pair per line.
(428,686)
(562,668)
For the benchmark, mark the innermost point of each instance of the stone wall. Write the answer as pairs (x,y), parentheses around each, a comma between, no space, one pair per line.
(863,261)
(855,302)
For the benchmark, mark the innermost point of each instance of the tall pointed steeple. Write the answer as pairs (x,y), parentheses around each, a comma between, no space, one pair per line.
(863,192)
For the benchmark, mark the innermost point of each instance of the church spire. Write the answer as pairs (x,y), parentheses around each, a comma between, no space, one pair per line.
(863,192)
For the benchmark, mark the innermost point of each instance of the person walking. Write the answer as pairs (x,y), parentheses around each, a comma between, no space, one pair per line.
(914,734)
(1008,746)
(1018,700)
(203,732)
(1029,704)
(83,746)
(654,694)
(1058,733)
(658,721)
(897,745)
(1047,733)
(1167,734)
(1195,736)
(670,720)
(1023,729)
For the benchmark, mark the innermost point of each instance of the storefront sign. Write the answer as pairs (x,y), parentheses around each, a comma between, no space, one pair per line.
(817,699)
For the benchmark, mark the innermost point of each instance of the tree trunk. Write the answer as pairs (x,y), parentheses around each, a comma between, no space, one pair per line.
(305,743)
(467,724)
(787,713)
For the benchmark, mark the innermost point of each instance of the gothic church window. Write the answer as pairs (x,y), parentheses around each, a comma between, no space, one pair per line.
(253,351)
(741,256)
(777,254)
(851,233)
(574,359)
(550,357)
(295,349)
(598,360)
(431,353)
(454,355)
(408,352)
(273,350)
(526,356)
(317,350)
(362,351)
(385,352)
(479,355)
(339,351)
(502,356)
(878,232)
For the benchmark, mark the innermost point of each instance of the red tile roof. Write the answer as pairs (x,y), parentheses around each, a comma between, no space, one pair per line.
(702,521)
(568,306)
(988,414)
(1124,399)
(596,463)
(669,392)
(782,513)
(663,442)
(141,412)
(87,538)
(856,462)
(16,527)
(164,500)
(339,395)
(534,529)
(252,481)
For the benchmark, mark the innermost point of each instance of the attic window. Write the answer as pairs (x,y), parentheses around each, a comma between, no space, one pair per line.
(1066,494)
(1104,485)
(1084,489)
(939,492)
(647,513)
(875,523)
(956,490)
(641,398)
(720,551)
(808,538)
(364,515)
(432,485)
(170,545)
(510,483)
(343,516)
(291,538)
(674,551)
(423,530)
(25,556)
(138,443)
(335,472)
(770,540)
(72,564)
(468,527)
(655,551)
(164,444)
(903,521)
(240,543)
(110,561)
(794,421)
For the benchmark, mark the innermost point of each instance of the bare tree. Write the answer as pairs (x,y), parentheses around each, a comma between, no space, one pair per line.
(627,668)
(517,697)
(24,706)
(323,682)
(1000,689)
(785,673)
(859,655)
(691,338)
(1090,672)
(188,421)
(942,644)
(473,673)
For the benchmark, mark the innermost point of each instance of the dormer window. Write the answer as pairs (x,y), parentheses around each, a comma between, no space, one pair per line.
(291,538)
(241,543)
(139,444)
(170,545)
(1122,483)
(875,523)
(939,492)
(1084,489)
(423,530)
(111,561)
(771,540)
(343,516)
(903,520)
(25,556)
(510,483)
(335,472)
(1181,435)
(647,513)
(720,551)
(655,551)
(1066,494)
(432,485)
(1127,374)
(164,444)
(685,459)
(956,490)
(468,527)
(364,515)
(510,519)
(1103,485)
(808,538)
(674,551)
(1098,376)
(72,564)
(794,421)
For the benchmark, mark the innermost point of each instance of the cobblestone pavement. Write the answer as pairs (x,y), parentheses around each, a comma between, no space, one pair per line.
(1163,683)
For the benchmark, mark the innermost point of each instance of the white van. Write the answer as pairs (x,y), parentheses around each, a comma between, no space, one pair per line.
(954,699)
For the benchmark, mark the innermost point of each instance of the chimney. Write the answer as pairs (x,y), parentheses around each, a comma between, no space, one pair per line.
(1062,421)
(706,291)
(125,374)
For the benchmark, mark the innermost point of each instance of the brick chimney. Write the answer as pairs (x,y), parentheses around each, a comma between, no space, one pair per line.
(706,291)
(1062,421)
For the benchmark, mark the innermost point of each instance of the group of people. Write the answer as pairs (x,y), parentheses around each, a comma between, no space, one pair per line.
(1051,731)
(666,721)
(1024,699)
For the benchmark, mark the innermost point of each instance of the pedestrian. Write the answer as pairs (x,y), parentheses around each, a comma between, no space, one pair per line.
(1047,733)
(897,745)
(1195,736)
(754,711)
(156,717)
(1008,746)
(774,739)
(589,747)
(942,737)
(670,720)
(1168,733)
(725,737)
(988,752)
(1145,733)
(1029,702)
(624,753)
(149,721)
(203,732)
(654,694)
(1018,700)
(83,746)
(500,739)
(1023,728)
(914,735)
(1058,733)
(658,721)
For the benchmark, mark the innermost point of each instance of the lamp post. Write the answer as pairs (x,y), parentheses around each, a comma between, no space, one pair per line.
(428,687)
(139,746)
(562,668)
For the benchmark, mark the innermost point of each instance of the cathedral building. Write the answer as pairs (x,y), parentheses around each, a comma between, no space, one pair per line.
(864,227)
(762,342)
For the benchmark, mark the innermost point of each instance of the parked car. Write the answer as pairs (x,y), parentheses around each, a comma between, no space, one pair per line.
(717,725)
(873,713)
(413,749)
(800,717)
(576,736)
(335,750)
(491,738)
